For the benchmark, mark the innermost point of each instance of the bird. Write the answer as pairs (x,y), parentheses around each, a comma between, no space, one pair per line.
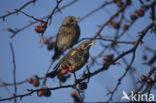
(77,56)
(68,35)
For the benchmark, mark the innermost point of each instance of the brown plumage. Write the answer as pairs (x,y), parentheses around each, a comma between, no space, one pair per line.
(77,56)
(68,35)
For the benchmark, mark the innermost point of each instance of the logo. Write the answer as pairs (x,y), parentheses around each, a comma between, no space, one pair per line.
(125,96)
(137,97)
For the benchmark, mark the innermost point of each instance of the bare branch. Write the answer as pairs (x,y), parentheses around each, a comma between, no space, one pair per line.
(14,71)
(17,10)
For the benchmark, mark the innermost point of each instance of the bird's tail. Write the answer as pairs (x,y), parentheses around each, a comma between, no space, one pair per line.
(52,74)
(57,53)
(55,56)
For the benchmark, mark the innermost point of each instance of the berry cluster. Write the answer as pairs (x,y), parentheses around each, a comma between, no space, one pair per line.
(133,17)
(148,80)
(120,3)
(63,75)
(34,81)
(41,28)
(81,86)
(44,92)
(50,44)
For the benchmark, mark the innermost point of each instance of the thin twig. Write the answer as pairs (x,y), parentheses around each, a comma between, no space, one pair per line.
(17,10)
(14,71)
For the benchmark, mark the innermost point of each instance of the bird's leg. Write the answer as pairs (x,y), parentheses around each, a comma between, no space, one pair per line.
(75,77)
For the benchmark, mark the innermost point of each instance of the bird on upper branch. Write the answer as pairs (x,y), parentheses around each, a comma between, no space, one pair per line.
(67,36)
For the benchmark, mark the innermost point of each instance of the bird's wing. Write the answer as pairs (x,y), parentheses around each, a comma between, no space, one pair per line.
(66,57)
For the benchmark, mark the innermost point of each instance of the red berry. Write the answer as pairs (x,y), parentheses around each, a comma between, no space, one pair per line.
(120,4)
(44,24)
(140,12)
(50,45)
(45,41)
(39,29)
(143,78)
(114,24)
(40,93)
(64,71)
(133,17)
(149,81)
(64,66)
(36,83)
(62,78)
(144,57)
(125,27)
(72,68)
(44,91)
(30,80)
(73,94)
(47,92)
(109,57)
(82,86)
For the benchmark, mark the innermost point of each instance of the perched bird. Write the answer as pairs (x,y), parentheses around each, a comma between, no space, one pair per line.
(77,56)
(67,36)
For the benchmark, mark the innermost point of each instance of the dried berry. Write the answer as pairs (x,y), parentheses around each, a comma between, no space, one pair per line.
(143,78)
(45,41)
(149,81)
(72,68)
(39,29)
(47,92)
(62,78)
(50,45)
(82,86)
(109,57)
(119,4)
(44,92)
(73,94)
(40,93)
(144,57)
(43,24)
(133,17)
(125,27)
(36,83)
(64,71)
(30,80)
(115,25)
(64,66)
(140,13)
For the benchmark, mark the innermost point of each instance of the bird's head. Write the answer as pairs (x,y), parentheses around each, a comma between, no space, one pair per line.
(70,20)
(86,45)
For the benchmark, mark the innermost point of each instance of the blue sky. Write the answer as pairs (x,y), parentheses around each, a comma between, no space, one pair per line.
(33,58)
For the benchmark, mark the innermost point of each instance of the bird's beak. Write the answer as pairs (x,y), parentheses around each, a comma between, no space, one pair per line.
(76,19)
(91,43)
